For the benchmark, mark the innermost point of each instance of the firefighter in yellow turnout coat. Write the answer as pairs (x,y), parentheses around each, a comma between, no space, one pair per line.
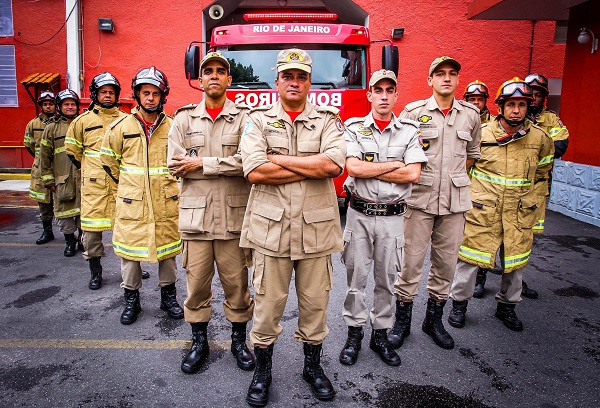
(134,153)
(32,141)
(516,156)
(98,190)
(58,173)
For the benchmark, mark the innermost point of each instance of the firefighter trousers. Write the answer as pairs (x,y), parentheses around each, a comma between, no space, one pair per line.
(131,272)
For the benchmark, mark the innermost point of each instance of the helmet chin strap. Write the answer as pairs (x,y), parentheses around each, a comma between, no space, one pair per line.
(156,109)
(510,122)
(534,109)
(108,106)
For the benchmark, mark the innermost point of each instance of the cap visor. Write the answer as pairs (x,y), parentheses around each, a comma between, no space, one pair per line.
(302,67)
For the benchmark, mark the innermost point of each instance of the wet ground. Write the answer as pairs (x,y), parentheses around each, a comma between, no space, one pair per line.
(62,345)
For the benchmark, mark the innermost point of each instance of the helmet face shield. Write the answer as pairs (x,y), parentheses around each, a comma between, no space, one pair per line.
(515,88)
(46,96)
(476,88)
(537,81)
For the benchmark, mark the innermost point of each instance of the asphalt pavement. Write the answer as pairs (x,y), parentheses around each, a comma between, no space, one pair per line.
(61,344)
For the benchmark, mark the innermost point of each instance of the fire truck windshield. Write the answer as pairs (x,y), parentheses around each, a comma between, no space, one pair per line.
(342,67)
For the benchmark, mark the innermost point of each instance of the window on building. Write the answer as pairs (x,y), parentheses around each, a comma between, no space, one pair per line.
(6,18)
(560,32)
(8,76)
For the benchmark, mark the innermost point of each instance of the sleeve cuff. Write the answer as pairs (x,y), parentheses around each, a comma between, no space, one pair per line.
(210,166)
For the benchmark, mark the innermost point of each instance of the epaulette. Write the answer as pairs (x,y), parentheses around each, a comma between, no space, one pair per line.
(260,108)
(329,109)
(186,107)
(416,104)
(353,120)
(242,106)
(409,122)
(469,105)
(116,122)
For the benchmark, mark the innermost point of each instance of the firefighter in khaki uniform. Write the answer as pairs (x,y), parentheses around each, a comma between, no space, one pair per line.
(516,156)
(203,150)
(384,157)
(290,153)
(134,153)
(98,190)
(58,173)
(477,94)
(451,130)
(32,142)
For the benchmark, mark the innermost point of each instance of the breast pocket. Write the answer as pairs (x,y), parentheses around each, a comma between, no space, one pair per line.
(462,139)
(191,214)
(193,142)
(396,153)
(265,225)
(308,147)
(431,143)
(277,144)
(230,143)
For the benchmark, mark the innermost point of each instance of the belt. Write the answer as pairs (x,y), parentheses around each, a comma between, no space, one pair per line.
(370,208)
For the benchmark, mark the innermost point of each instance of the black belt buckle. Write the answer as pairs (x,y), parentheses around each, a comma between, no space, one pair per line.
(375,209)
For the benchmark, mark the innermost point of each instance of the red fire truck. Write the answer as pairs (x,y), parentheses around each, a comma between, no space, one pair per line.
(340,54)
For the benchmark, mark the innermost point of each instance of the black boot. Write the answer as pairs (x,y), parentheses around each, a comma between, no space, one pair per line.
(349,353)
(193,360)
(71,248)
(168,301)
(258,392)
(313,373)
(132,306)
(456,317)
(379,344)
(239,349)
(401,328)
(480,283)
(96,270)
(47,234)
(79,243)
(506,313)
(433,326)
(528,292)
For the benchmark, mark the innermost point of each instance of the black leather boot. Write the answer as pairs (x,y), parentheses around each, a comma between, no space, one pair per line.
(401,328)
(528,292)
(433,326)
(456,317)
(132,307)
(506,313)
(79,243)
(168,301)
(349,353)
(193,360)
(96,270)
(379,344)
(47,234)
(480,283)
(313,373)
(258,392)
(71,248)
(239,349)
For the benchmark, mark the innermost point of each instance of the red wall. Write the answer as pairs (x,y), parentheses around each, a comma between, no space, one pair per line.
(492,51)
(581,87)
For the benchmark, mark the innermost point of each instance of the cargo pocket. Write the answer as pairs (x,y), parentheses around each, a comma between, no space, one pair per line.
(191,214)
(348,252)
(329,263)
(65,189)
(130,203)
(421,191)
(265,225)
(236,207)
(483,212)
(317,229)
(396,267)
(527,212)
(463,139)
(258,273)
(94,183)
(460,198)
(172,199)
(184,254)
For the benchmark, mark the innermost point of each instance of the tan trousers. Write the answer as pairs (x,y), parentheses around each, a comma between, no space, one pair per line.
(131,271)
(271,281)
(446,235)
(92,243)
(199,259)
(371,243)
(47,210)
(463,284)
(68,225)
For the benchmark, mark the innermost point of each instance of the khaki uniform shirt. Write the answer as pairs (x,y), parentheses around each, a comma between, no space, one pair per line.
(301,219)
(398,141)
(448,141)
(98,189)
(213,199)
(32,141)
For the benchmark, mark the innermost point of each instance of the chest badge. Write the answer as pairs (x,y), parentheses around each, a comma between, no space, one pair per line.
(364,130)
(426,144)
(369,156)
(276,125)
(424,118)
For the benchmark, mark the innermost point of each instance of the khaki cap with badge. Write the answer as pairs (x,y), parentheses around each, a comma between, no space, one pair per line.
(382,74)
(443,60)
(294,58)
(214,56)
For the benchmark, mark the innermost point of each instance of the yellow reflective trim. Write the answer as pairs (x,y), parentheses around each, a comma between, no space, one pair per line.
(70,140)
(546,160)
(47,177)
(59,150)
(169,248)
(138,252)
(68,213)
(46,143)
(36,195)
(91,153)
(96,222)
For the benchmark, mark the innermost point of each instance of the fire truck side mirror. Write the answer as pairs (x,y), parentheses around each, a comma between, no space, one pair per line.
(192,62)
(389,58)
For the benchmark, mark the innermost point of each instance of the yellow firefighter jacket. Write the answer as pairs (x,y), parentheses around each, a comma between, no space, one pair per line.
(32,141)
(505,195)
(146,213)
(486,116)
(58,170)
(98,189)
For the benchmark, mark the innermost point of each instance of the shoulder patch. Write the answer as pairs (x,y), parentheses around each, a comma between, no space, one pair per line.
(329,109)
(408,122)
(116,122)
(469,105)
(415,105)
(186,107)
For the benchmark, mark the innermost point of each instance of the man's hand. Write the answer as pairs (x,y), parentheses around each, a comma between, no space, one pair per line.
(182,165)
